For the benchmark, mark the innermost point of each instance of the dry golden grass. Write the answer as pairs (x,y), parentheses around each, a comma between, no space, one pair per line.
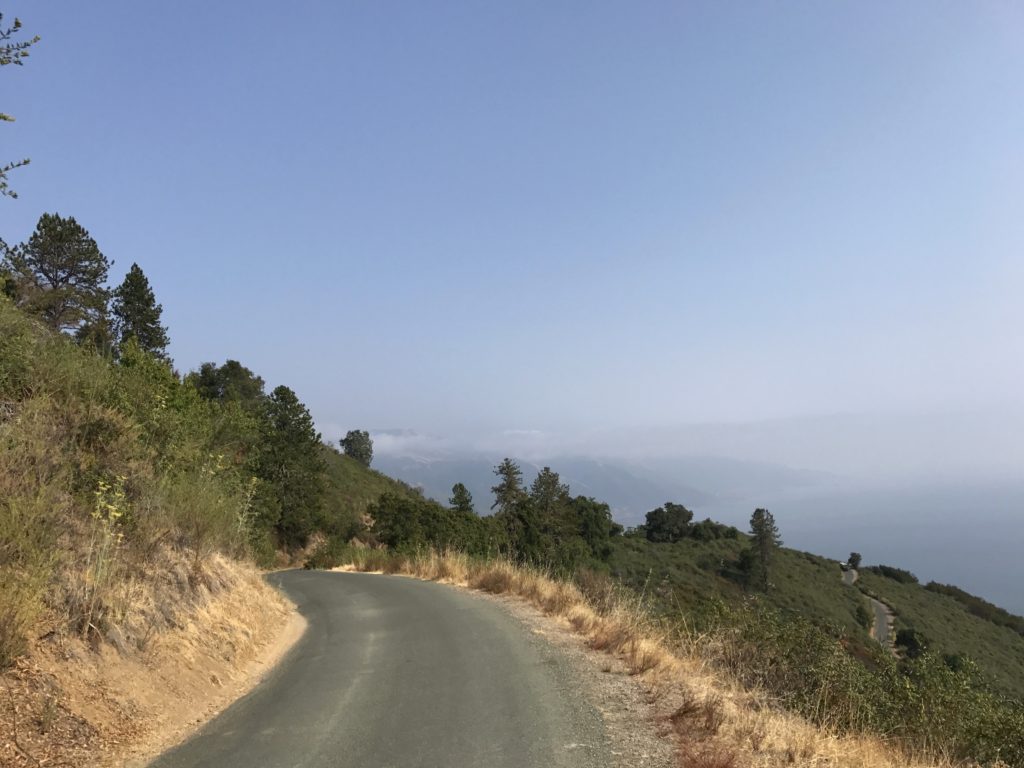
(191,638)
(715,722)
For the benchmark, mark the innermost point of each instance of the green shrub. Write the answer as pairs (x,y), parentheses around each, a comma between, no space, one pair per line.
(896,574)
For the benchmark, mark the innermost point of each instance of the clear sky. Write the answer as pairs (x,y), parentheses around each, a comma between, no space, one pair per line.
(551,216)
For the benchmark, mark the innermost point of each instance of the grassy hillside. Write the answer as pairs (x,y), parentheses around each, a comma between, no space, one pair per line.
(350,488)
(949,628)
(689,571)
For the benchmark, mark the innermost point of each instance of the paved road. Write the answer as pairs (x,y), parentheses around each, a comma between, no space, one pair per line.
(880,628)
(399,673)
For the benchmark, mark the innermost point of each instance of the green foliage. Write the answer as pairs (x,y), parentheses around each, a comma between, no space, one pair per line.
(997,650)
(692,570)
(508,492)
(924,703)
(102,459)
(591,520)
(204,464)
(137,315)
(60,274)
(408,523)
(911,642)
(668,523)
(979,607)
(290,460)
(863,616)
(766,542)
(548,493)
(546,527)
(12,51)
(709,530)
(231,382)
(358,445)
(332,553)
(349,490)
(98,335)
(461,499)
(896,574)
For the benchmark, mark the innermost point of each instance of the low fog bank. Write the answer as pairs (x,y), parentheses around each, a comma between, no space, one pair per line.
(863,448)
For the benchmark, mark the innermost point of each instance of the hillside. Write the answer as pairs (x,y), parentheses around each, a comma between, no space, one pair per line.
(947,627)
(349,489)
(690,572)
(686,574)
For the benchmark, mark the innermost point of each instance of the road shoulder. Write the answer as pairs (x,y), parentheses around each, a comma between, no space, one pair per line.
(625,702)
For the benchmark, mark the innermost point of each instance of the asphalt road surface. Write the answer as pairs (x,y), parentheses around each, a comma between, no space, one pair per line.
(880,629)
(394,672)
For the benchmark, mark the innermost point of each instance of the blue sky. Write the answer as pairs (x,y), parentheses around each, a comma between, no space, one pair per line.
(459,217)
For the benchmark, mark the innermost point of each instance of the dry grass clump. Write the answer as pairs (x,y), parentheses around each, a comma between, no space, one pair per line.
(714,720)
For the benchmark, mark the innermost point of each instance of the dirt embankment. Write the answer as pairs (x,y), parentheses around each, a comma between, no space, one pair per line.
(122,701)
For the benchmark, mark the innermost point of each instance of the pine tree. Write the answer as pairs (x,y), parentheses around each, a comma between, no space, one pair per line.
(766,541)
(290,460)
(509,490)
(461,500)
(60,274)
(137,315)
(548,492)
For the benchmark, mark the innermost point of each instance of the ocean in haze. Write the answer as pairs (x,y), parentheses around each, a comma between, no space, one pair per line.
(971,536)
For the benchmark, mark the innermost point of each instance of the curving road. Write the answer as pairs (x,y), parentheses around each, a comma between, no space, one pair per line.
(880,628)
(397,673)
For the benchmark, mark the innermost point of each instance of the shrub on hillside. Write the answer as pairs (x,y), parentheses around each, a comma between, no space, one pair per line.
(924,703)
(896,574)
(100,463)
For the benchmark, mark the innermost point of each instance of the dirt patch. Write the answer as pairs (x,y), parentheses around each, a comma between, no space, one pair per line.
(70,704)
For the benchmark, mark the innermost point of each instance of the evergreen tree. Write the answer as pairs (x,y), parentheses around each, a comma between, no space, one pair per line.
(60,274)
(548,493)
(461,500)
(359,446)
(509,490)
(766,541)
(290,460)
(137,315)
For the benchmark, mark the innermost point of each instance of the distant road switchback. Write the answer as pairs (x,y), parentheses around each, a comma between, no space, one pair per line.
(882,614)
(397,673)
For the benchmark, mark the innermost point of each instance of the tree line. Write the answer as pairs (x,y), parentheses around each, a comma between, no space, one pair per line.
(543,524)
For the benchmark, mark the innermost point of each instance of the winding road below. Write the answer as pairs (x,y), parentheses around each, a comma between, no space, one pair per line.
(881,627)
(394,672)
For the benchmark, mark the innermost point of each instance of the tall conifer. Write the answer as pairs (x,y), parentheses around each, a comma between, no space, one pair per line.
(137,315)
